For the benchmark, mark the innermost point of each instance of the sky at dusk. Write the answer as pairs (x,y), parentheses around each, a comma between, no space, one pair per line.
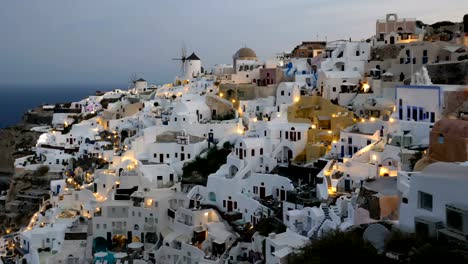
(52,42)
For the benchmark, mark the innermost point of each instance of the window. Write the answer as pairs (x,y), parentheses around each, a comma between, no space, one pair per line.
(441,139)
(105,226)
(334,89)
(261,151)
(176,154)
(402,60)
(368,142)
(272,249)
(255,189)
(253,152)
(167,155)
(425,201)
(357,53)
(282,92)
(98,226)
(350,140)
(182,148)
(188,155)
(113,210)
(287,217)
(298,135)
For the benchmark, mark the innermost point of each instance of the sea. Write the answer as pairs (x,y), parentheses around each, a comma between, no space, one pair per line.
(16,100)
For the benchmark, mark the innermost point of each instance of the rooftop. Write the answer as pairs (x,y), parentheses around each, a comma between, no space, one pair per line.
(173,136)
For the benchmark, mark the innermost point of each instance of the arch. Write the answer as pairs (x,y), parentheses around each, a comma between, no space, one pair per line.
(119,241)
(232,171)
(285,155)
(340,66)
(99,244)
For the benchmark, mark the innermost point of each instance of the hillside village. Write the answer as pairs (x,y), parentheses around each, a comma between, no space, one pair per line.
(251,161)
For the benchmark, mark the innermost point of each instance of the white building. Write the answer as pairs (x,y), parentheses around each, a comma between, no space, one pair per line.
(435,198)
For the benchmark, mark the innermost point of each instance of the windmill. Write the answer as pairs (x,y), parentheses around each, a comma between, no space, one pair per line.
(133,77)
(182,59)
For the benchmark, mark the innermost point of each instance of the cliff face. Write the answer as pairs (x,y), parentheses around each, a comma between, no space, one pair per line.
(15,141)
(6,158)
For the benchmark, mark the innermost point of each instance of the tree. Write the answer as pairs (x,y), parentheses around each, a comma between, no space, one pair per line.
(338,247)
(41,170)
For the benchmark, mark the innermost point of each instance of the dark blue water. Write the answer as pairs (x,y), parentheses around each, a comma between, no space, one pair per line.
(15,100)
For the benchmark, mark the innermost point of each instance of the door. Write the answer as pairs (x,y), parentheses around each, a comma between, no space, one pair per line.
(262,192)
(161,158)
(290,154)
(213,114)
(229,206)
(342,151)
(241,154)
(347,185)
(182,156)
(283,195)
(392,40)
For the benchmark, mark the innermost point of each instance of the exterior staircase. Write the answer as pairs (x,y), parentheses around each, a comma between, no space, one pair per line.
(326,212)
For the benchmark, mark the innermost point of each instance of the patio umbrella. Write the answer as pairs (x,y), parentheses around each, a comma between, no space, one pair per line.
(135,245)
(100,254)
(120,255)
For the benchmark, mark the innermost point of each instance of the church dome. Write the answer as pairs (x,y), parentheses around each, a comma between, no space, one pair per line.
(245,54)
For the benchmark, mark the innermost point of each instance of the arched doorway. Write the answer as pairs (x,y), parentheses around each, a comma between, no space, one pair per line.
(233,171)
(285,155)
(100,244)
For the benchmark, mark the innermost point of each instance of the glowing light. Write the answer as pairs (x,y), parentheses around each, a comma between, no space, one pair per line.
(384,171)
(240,131)
(221,94)
(363,120)
(329,132)
(366,87)
(333,115)
(391,120)
(296,99)
(149,202)
(313,126)
(206,213)
(334,141)
(372,119)
(233,100)
(374,157)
